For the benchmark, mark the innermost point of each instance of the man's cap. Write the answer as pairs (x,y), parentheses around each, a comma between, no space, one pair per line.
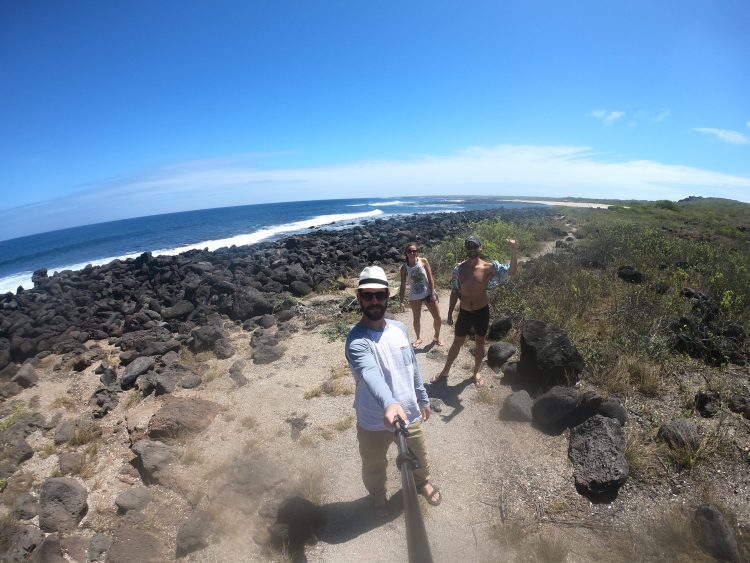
(473,239)
(372,277)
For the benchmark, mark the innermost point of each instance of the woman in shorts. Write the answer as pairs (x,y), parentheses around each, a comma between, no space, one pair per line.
(421,290)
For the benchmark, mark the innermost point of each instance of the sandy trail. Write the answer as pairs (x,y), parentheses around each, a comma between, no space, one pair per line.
(473,456)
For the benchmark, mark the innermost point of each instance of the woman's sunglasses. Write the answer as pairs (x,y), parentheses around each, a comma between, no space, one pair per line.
(379,295)
(410,251)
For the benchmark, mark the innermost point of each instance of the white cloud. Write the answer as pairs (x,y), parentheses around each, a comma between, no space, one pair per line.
(725,135)
(661,116)
(503,170)
(607,117)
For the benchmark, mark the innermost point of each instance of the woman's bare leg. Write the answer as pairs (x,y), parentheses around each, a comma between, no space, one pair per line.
(416,310)
(432,306)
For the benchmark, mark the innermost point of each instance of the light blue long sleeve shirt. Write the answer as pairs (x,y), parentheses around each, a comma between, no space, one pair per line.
(385,371)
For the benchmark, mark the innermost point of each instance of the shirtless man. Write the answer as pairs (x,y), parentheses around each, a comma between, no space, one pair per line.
(469,284)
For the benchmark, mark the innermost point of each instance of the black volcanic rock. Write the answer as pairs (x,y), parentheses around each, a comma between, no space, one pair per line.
(157,297)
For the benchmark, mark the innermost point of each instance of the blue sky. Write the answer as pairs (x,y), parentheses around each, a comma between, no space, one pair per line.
(119,109)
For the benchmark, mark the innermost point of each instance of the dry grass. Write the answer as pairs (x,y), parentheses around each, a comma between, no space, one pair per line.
(568,503)
(64,402)
(249,422)
(630,373)
(671,537)
(86,469)
(212,373)
(99,520)
(714,444)
(47,362)
(191,456)
(132,398)
(338,385)
(550,548)
(85,434)
(487,396)
(307,440)
(194,360)
(511,533)
(328,431)
(312,482)
(340,371)
(19,411)
(642,455)
(312,393)
(46,450)
(344,423)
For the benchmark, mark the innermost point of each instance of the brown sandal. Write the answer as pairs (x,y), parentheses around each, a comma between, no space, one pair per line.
(431,500)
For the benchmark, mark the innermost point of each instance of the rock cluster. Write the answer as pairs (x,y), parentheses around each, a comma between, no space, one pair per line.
(170,295)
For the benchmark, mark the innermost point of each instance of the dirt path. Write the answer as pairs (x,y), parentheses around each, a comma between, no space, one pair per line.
(474,457)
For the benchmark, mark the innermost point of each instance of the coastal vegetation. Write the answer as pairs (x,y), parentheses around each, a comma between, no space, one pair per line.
(691,259)
(656,298)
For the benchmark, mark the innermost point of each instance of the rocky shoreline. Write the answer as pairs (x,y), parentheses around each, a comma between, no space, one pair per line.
(182,292)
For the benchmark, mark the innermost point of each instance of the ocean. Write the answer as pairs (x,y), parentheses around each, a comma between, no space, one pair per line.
(173,233)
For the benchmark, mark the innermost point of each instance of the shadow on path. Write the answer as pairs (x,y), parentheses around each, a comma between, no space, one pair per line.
(425,348)
(450,395)
(347,520)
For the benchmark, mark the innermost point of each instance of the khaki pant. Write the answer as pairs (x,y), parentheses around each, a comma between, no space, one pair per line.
(373,447)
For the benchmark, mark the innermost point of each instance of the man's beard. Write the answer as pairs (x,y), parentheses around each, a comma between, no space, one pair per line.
(375,312)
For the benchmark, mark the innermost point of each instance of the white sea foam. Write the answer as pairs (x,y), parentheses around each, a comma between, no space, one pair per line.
(23,279)
(257,236)
(381,203)
(388,203)
(11,283)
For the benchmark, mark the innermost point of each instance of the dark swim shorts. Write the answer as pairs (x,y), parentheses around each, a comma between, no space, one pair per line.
(479,319)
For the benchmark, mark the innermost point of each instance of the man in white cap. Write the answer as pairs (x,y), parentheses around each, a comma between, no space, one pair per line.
(388,385)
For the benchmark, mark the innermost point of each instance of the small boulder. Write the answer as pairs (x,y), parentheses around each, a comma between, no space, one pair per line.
(597,452)
(62,504)
(137,367)
(181,417)
(133,499)
(715,535)
(680,433)
(614,409)
(192,534)
(130,544)
(517,407)
(555,407)
(26,376)
(98,548)
(629,274)
(26,507)
(70,462)
(499,328)
(707,403)
(499,353)
(153,461)
(548,358)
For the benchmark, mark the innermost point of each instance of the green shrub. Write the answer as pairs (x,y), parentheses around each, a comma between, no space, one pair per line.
(337,330)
